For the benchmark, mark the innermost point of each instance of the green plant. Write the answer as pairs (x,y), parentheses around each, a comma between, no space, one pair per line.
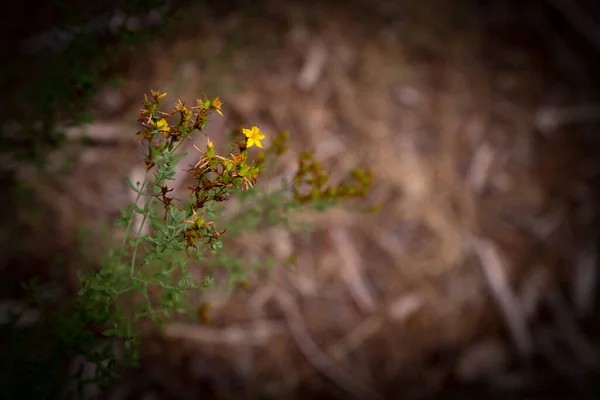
(146,278)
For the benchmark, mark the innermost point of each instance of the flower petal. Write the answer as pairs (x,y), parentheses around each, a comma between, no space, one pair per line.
(250,142)
(162,125)
(258,144)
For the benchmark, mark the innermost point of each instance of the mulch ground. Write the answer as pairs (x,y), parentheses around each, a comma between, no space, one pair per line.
(479,269)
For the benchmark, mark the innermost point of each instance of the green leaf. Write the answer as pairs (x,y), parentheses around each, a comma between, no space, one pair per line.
(178,246)
(151,240)
(177,157)
(132,186)
(178,215)
(243,171)
(136,208)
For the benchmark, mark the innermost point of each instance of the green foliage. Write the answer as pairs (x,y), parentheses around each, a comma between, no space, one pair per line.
(146,278)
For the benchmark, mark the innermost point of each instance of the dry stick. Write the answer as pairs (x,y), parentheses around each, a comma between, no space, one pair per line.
(512,310)
(315,356)
(102,133)
(260,333)
(356,338)
(552,118)
(481,165)
(351,271)
(313,67)
(585,282)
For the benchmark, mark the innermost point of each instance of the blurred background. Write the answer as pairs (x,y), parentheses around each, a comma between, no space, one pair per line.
(478,276)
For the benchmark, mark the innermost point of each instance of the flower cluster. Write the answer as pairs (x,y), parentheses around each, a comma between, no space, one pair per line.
(214,176)
(310,182)
(157,131)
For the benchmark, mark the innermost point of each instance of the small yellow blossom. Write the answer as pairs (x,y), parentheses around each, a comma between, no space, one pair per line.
(254,136)
(162,125)
(216,103)
(210,149)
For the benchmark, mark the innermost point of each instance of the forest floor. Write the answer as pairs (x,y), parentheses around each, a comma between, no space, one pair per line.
(485,217)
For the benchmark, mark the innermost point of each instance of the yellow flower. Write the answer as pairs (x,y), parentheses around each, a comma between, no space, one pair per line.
(216,103)
(254,136)
(162,125)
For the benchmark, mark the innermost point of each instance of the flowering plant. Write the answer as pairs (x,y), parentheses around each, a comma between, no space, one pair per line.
(146,277)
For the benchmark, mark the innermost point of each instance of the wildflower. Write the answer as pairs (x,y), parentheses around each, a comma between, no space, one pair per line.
(162,125)
(254,136)
(216,104)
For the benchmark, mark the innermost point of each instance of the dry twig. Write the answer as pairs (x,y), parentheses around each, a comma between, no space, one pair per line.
(351,271)
(494,271)
(259,334)
(315,356)
(585,283)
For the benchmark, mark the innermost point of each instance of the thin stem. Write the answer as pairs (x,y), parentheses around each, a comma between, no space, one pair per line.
(139,232)
(172,150)
(130,223)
